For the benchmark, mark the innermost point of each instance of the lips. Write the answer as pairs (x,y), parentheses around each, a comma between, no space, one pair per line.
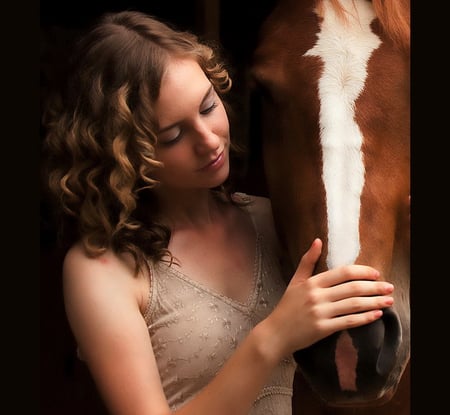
(215,163)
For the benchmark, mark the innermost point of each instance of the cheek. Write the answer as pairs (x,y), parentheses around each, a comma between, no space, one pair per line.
(222,124)
(175,164)
(169,175)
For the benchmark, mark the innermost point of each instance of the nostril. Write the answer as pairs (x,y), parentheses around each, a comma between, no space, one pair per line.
(391,343)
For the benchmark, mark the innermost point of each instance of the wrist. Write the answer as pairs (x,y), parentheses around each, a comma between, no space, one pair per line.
(269,346)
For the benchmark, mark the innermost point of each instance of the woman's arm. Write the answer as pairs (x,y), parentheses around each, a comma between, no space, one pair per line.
(102,305)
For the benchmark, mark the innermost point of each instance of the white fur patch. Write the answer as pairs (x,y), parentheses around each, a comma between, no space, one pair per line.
(345,50)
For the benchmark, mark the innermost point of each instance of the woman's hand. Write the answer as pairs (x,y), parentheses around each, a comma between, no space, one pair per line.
(313,307)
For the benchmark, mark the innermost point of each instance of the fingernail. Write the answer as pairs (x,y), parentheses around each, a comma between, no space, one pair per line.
(389,301)
(388,286)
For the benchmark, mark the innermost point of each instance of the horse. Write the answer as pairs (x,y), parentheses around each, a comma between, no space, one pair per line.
(332,81)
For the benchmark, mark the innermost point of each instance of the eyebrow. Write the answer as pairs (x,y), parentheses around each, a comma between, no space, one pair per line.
(208,92)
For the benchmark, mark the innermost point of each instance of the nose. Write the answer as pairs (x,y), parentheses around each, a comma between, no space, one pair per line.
(205,137)
(358,368)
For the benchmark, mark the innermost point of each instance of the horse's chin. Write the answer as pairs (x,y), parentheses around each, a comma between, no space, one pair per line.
(361,402)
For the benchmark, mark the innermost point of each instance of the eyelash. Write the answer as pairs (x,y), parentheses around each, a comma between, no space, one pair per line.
(177,138)
(208,110)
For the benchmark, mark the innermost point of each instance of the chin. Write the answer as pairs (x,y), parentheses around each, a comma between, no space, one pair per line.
(220,178)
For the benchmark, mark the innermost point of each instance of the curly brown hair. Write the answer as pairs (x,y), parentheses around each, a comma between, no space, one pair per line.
(99,148)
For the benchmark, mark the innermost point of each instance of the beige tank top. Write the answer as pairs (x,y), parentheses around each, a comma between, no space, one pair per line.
(194,330)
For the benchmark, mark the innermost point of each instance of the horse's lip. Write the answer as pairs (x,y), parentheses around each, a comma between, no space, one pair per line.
(376,402)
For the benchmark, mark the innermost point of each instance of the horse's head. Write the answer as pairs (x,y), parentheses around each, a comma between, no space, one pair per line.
(334,91)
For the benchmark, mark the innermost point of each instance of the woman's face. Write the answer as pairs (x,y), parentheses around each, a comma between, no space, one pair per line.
(193,138)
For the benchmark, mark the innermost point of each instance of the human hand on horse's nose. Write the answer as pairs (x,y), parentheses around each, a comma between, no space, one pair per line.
(321,304)
(315,307)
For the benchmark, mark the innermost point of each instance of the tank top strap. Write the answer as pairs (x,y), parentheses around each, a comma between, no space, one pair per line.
(249,207)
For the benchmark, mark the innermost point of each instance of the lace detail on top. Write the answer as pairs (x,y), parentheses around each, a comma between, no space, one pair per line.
(194,330)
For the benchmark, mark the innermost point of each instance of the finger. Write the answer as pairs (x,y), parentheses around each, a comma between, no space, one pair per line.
(349,321)
(358,288)
(308,261)
(346,273)
(357,305)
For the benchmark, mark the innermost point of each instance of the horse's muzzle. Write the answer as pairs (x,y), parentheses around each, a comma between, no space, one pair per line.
(355,365)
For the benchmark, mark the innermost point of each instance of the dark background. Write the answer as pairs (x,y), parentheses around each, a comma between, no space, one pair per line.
(66,387)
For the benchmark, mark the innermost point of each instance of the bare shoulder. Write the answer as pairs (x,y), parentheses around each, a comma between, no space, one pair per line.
(77,262)
(109,277)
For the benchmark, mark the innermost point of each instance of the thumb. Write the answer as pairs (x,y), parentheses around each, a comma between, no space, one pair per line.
(308,261)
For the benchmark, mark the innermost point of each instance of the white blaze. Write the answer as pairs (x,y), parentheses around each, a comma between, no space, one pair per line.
(345,50)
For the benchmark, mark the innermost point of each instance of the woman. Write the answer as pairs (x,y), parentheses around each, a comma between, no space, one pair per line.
(172,282)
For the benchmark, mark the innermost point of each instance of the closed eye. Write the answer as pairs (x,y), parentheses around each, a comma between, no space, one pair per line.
(172,141)
(209,109)
(170,136)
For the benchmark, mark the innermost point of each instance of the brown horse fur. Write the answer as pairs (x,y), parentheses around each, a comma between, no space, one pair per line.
(288,83)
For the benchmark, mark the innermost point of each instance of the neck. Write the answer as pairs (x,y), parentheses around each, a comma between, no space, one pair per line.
(182,209)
